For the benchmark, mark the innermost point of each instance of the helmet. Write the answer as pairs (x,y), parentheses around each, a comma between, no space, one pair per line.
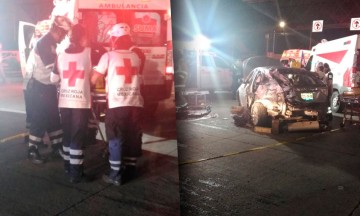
(319,64)
(42,27)
(62,22)
(119,30)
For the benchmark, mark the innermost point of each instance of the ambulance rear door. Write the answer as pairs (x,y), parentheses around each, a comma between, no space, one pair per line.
(148,21)
(26,32)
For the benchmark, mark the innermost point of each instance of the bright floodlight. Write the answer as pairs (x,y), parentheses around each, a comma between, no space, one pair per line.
(202,42)
(282,24)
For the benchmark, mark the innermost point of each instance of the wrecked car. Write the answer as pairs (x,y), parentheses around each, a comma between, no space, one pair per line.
(291,94)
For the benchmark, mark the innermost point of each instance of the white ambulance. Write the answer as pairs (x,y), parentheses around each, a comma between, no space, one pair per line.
(342,55)
(150,22)
(208,71)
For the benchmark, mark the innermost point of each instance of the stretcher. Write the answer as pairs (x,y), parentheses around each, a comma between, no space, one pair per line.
(98,107)
(351,113)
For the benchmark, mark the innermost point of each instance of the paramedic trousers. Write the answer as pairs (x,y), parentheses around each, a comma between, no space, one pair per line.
(123,130)
(75,126)
(44,115)
(28,106)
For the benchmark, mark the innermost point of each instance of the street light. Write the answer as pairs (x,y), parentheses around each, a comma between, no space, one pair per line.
(282,25)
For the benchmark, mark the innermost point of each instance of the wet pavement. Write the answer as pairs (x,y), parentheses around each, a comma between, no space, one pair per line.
(230,170)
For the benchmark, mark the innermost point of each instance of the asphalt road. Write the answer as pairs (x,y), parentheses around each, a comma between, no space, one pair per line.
(27,189)
(230,170)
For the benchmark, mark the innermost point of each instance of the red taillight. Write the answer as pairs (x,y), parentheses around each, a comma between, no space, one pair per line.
(169,70)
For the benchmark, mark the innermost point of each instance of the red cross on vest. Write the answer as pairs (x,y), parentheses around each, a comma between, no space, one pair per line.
(127,70)
(72,74)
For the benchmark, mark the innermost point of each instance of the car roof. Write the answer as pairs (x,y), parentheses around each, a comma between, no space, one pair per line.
(285,70)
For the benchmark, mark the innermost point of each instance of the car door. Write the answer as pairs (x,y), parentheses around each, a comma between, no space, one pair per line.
(26,32)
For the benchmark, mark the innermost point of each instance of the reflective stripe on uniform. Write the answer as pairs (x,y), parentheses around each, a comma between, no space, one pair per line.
(55,133)
(130,163)
(115,162)
(115,168)
(34,138)
(76,161)
(56,141)
(76,152)
(66,149)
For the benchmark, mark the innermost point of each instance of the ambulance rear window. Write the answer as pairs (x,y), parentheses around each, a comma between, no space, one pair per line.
(148,28)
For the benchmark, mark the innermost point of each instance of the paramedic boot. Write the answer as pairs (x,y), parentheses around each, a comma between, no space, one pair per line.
(57,152)
(34,156)
(67,167)
(77,174)
(114,178)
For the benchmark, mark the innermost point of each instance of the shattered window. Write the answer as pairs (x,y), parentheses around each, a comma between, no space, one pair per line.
(303,80)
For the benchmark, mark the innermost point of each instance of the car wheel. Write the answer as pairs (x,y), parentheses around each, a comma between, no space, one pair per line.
(259,114)
(336,105)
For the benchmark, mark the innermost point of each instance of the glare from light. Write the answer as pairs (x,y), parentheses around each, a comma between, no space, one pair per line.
(202,42)
(282,24)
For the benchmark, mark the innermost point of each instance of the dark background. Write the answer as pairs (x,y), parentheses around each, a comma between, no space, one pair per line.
(236,27)
(239,27)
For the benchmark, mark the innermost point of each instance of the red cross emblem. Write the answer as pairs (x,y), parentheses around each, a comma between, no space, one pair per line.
(72,74)
(127,70)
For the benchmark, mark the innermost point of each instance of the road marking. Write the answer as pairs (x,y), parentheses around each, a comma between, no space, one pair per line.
(12,111)
(13,137)
(233,153)
(210,126)
(253,149)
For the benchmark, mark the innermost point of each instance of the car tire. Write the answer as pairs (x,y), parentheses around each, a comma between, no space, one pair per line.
(238,97)
(259,115)
(336,105)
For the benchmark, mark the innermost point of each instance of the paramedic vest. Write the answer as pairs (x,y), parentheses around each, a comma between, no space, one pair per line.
(74,71)
(123,78)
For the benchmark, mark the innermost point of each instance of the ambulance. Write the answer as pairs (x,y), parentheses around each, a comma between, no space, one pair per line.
(342,55)
(299,56)
(208,71)
(150,23)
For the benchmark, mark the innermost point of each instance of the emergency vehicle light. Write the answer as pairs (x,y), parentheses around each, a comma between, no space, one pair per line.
(202,42)
(169,70)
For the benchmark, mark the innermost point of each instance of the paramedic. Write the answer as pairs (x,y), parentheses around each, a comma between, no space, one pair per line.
(72,68)
(45,113)
(320,70)
(328,79)
(125,102)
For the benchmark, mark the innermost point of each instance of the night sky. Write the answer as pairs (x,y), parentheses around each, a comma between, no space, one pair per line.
(234,27)
(240,28)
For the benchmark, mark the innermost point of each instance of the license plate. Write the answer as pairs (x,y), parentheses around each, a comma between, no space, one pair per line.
(307,96)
